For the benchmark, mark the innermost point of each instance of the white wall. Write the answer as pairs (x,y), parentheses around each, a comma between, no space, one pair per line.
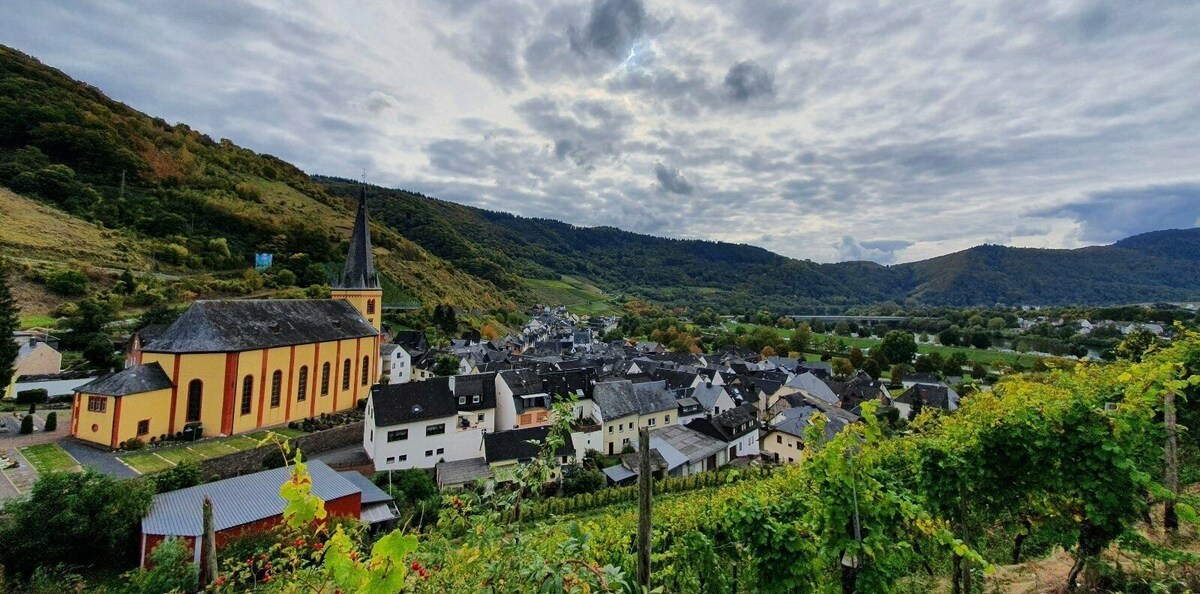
(506,410)
(454,444)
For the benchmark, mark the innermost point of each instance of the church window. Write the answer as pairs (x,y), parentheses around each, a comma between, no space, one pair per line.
(247,393)
(302,390)
(276,388)
(346,374)
(366,370)
(194,400)
(325,379)
(97,404)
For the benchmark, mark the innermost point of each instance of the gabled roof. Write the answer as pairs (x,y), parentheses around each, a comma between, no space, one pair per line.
(693,445)
(930,395)
(729,425)
(131,380)
(396,404)
(370,492)
(251,324)
(515,444)
(237,501)
(477,384)
(674,379)
(522,382)
(708,394)
(813,385)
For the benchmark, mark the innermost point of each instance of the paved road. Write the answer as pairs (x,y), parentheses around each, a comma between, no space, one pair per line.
(102,462)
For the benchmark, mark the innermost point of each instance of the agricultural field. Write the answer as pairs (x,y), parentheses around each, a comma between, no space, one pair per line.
(578,295)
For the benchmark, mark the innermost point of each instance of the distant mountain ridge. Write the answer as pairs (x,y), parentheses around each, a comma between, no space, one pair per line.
(151,191)
(501,247)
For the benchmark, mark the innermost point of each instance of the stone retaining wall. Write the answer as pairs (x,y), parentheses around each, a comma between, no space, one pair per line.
(249,461)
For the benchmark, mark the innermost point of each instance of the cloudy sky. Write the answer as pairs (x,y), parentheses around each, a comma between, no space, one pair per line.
(829,130)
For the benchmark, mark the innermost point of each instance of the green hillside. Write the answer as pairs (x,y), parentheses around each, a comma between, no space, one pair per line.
(124,189)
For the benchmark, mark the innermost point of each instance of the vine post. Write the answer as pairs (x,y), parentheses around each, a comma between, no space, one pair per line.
(645,481)
(208,547)
(1171,452)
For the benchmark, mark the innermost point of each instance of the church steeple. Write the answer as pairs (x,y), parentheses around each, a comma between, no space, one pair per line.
(359,283)
(359,272)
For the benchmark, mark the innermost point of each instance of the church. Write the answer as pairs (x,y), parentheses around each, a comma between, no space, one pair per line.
(235,366)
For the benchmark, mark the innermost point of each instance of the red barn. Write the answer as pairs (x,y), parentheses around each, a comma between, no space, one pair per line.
(243,504)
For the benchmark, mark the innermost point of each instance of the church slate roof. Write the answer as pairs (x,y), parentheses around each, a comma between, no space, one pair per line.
(131,380)
(251,324)
(359,272)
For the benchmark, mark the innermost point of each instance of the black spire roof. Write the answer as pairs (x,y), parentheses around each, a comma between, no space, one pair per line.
(360,266)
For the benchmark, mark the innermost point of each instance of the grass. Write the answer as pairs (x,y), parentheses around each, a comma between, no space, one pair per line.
(987,357)
(158,460)
(145,462)
(35,321)
(48,457)
(579,295)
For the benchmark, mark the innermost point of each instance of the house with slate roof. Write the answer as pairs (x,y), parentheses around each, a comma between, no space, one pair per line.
(504,450)
(236,366)
(621,407)
(420,424)
(736,428)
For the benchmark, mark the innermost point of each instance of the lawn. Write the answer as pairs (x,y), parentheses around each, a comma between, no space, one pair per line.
(578,295)
(27,322)
(987,357)
(48,457)
(177,455)
(241,443)
(145,462)
(211,449)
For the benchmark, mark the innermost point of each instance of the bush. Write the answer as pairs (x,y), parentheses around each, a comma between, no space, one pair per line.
(132,444)
(185,474)
(171,570)
(67,283)
(577,480)
(35,395)
(274,459)
(51,422)
(27,425)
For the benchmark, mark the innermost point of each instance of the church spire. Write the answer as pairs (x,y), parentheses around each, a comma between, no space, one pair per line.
(359,272)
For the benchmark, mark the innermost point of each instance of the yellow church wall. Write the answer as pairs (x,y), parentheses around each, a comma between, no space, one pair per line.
(148,406)
(361,299)
(94,426)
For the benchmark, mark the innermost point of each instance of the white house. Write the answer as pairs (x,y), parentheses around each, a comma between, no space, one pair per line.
(737,428)
(395,363)
(418,424)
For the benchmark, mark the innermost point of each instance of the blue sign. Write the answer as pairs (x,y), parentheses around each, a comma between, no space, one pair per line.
(262,261)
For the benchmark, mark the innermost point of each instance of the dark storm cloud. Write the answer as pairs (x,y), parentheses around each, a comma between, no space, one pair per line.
(612,28)
(747,80)
(671,180)
(1107,216)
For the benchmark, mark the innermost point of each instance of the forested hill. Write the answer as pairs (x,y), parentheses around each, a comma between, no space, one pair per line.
(502,248)
(139,192)
(149,193)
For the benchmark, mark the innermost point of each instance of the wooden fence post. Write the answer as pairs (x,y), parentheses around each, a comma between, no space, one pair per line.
(645,481)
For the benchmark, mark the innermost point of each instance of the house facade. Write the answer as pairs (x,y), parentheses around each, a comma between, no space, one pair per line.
(420,424)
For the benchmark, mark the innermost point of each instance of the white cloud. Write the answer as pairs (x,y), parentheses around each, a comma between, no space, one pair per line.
(796,126)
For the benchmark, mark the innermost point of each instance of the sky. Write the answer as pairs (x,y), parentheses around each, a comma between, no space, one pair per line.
(826,130)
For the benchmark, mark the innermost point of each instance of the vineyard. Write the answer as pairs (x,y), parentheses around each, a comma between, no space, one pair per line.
(1072,464)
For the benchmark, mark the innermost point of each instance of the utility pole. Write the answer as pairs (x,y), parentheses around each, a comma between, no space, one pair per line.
(645,482)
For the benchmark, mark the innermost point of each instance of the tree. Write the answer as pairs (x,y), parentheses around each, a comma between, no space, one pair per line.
(898,347)
(26,424)
(445,365)
(578,480)
(171,570)
(801,337)
(488,332)
(856,357)
(978,371)
(767,351)
(899,372)
(51,422)
(67,283)
(950,336)
(1136,344)
(929,363)
(871,368)
(981,340)
(842,367)
(73,517)
(8,325)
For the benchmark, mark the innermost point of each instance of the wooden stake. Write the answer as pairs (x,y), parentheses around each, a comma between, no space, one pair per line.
(645,481)
(208,549)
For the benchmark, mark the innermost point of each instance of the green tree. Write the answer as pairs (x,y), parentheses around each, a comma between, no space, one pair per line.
(951,336)
(27,424)
(978,371)
(801,338)
(80,517)
(68,283)
(898,347)
(8,325)
(842,367)
(1136,344)
(856,357)
(981,340)
(577,480)
(445,365)
(51,422)
(871,368)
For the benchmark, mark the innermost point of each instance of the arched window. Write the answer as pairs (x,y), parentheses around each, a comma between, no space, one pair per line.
(325,379)
(247,393)
(276,388)
(346,374)
(370,306)
(195,393)
(366,370)
(302,390)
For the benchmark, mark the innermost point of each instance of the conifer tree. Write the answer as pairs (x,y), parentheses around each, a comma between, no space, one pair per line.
(8,325)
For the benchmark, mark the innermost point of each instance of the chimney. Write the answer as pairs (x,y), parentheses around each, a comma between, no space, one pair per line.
(451,383)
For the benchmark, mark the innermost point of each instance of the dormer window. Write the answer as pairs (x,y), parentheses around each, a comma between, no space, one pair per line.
(475,399)
(462,399)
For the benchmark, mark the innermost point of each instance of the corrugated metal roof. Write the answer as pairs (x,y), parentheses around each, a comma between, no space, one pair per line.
(461,472)
(370,492)
(236,501)
(619,473)
(378,512)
